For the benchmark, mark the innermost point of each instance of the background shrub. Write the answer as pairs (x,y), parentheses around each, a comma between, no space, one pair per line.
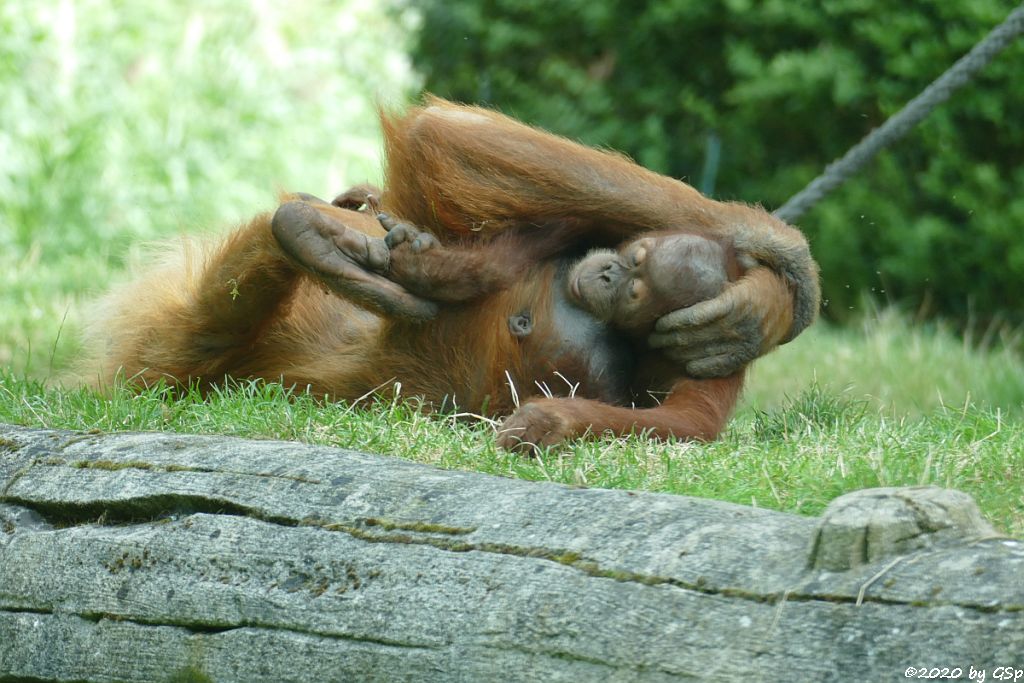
(749,100)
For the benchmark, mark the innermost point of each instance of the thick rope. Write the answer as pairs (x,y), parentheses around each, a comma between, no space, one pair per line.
(958,75)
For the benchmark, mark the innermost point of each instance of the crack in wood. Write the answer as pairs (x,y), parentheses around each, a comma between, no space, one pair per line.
(201,628)
(420,533)
(113,466)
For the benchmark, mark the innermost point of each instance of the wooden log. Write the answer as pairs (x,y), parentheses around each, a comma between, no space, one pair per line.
(150,557)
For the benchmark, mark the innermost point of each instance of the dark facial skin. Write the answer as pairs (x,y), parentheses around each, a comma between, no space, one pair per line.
(646,278)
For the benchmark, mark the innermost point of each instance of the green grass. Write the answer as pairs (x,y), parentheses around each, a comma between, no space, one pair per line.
(797,457)
(896,365)
(132,122)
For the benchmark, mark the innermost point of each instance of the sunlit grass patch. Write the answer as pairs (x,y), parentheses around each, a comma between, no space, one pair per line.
(797,457)
(892,363)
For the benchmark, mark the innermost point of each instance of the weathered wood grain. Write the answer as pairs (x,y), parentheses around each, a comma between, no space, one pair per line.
(141,557)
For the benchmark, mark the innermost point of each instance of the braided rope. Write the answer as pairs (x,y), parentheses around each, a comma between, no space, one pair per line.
(897,125)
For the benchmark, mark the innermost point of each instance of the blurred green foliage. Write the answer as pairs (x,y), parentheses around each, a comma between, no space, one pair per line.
(114,112)
(122,122)
(782,87)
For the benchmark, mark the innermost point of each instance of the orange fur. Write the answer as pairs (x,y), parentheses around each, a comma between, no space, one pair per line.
(455,170)
(242,308)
